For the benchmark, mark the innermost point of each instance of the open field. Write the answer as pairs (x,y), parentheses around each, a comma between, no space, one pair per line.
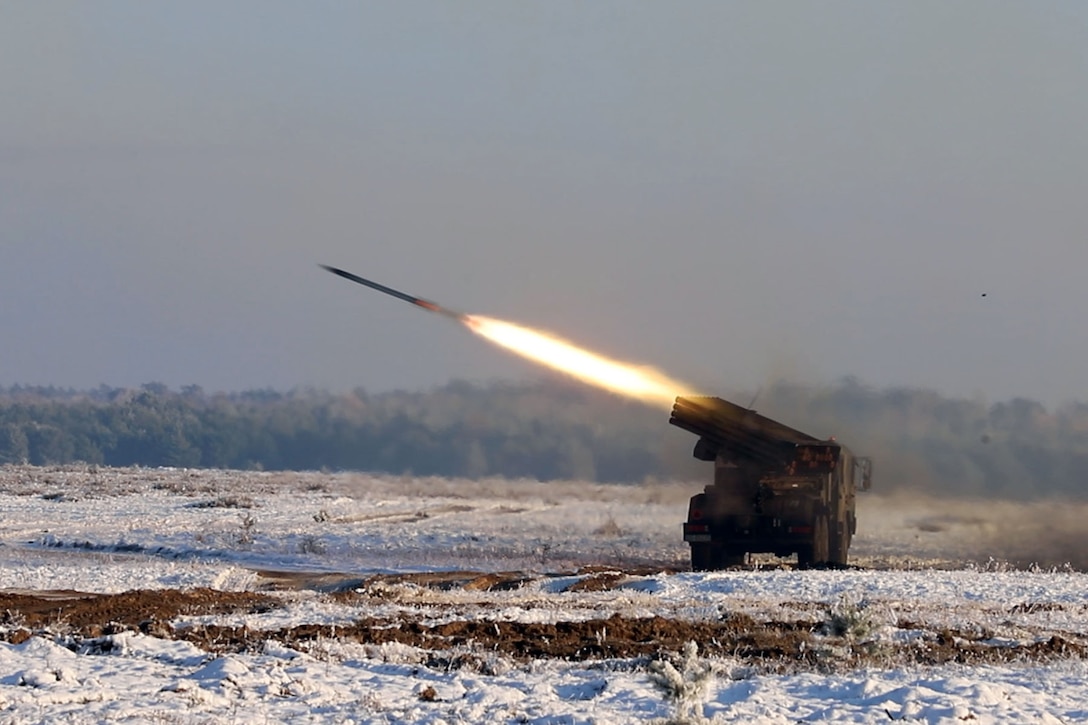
(179,596)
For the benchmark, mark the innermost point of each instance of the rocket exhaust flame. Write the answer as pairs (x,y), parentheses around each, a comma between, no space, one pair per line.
(635,381)
(643,383)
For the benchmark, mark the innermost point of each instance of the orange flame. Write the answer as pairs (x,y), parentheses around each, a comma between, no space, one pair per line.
(635,381)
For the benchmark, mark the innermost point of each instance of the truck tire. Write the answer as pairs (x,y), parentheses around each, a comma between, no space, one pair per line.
(712,557)
(821,540)
(818,552)
(840,545)
(731,557)
(701,557)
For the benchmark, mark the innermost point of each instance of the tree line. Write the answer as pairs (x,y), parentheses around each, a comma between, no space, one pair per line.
(457,430)
(919,439)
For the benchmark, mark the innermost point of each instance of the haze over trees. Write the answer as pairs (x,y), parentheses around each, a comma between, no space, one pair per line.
(920,440)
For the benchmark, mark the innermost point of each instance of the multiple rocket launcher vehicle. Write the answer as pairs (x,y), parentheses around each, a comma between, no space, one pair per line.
(775,489)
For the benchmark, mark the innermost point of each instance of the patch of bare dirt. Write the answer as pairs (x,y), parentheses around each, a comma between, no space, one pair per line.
(599,582)
(596,578)
(446,580)
(76,617)
(92,615)
(616,636)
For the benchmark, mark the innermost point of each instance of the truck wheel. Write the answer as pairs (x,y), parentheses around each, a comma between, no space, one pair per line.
(712,557)
(730,557)
(821,540)
(817,552)
(840,545)
(701,557)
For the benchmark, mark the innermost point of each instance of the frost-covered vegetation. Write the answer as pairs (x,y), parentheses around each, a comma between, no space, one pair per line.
(552,431)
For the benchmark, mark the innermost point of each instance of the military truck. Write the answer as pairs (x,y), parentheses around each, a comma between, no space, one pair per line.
(776,490)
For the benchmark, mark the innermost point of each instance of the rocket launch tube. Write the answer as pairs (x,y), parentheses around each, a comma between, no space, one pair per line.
(417,301)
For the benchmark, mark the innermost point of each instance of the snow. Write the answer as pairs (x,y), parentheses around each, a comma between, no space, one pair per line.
(102,530)
(146,681)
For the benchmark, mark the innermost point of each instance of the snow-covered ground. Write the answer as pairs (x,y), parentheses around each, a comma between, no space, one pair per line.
(927,584)
(156,681)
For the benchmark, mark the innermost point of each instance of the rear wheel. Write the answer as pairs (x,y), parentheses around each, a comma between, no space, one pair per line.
(731,557)
(701,557)
(711,557)
(840,545)
(818,551)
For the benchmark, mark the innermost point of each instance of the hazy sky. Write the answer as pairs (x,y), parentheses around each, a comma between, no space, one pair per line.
(731,192)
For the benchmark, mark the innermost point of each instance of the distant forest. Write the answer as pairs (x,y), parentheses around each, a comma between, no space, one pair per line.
(919,440)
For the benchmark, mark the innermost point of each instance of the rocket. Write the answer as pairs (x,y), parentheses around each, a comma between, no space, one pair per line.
(417,301)
(636,381)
